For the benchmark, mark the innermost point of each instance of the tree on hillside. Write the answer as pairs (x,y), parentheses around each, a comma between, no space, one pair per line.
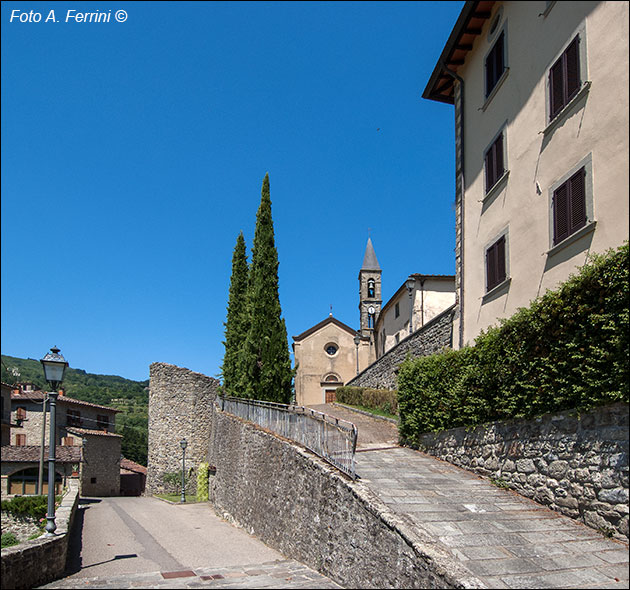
(236,323)
(265,360)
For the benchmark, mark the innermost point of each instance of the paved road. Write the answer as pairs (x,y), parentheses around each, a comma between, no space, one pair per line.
(144,542)
(505,540)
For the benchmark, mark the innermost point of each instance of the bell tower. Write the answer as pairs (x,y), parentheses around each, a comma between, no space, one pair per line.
(369,292)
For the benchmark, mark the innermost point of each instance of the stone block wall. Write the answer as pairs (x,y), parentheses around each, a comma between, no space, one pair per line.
(307,510)
(181,404)
(39,561)
(100,468)
(431,338)
(575,464)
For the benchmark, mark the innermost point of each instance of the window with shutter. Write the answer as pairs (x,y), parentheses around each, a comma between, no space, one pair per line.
(564,78)
(495,264)
(20,440)
(495,64)
(569,206)
(494,163)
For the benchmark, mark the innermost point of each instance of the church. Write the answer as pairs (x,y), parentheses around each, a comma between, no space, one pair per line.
(331,353)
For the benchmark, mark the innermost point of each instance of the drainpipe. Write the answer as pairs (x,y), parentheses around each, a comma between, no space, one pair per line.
(422,302)
(460,155)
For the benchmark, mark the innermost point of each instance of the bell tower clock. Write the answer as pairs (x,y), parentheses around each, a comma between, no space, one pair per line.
(369,291)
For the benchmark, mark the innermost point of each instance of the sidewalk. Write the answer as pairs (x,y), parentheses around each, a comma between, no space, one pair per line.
(503,539)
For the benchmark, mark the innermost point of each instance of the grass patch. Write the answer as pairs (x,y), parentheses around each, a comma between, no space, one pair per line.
(190,498)
(9,539)
(375,411)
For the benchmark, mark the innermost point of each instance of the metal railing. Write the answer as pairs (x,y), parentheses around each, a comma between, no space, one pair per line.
(332,439)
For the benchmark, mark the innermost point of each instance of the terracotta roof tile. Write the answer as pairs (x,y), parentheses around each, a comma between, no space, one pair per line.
(30,453)
(38,396)
(130,465)
(89,432)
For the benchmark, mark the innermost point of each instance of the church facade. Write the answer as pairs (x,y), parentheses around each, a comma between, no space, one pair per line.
(331,353)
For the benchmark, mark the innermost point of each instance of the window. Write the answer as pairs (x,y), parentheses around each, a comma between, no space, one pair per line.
(564,78)
(397,338)
(495,264)
(73,418)
(370,319)
(67,441)
(20,414)
(331,349)
(397,310)
(102,422)
(370,288)
(20,440)
(569,206)
(495,64)
(494,162)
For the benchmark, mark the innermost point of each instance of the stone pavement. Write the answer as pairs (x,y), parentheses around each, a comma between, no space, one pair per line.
(505,540)
(276,574)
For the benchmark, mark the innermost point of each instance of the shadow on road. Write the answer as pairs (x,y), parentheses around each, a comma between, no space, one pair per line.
(73,559)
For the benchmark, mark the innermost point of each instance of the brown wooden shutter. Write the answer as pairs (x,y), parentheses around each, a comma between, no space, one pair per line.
(489,170)
(560,213)
(556,88)
(577,202)
(20,440)
(572,61)
(498,151)
(501,260)
(495,65)
(492,276)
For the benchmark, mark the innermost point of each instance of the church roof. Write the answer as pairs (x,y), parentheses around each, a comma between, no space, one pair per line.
(369,259)
(329,320)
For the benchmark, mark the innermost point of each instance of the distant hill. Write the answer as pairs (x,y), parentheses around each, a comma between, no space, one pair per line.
(89,387)
(131,397)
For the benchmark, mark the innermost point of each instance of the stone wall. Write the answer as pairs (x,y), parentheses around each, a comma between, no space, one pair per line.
(39,561)
(100,468)
(181,403)
(432,337)
(299,505)
(577,465)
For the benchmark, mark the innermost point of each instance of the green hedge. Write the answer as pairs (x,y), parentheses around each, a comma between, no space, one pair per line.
(33,506)
(567,350)
(385,400)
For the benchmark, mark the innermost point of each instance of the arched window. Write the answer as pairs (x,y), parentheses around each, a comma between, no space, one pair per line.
(371,321)
(371,288)
(24,482)
(332,378)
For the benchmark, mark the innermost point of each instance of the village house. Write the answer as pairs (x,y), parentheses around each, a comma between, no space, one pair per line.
(87,446)
(540,91)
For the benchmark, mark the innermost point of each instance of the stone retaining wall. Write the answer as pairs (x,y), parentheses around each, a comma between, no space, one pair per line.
(39,561)
(180,406)
(577,465)
(431,338)
(307,510)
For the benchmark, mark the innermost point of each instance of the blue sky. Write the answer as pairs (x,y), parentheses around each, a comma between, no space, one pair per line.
(133,153)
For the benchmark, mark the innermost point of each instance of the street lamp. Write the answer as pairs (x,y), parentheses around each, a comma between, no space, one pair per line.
(357,340)
(183,444)
(410,283)
(54,369)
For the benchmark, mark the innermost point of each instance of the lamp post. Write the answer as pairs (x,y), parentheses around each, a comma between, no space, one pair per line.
(357,340)
(54,368)
(183,444)
(410,283)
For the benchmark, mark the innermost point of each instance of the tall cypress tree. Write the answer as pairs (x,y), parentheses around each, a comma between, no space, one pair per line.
(236,323)
(266,364)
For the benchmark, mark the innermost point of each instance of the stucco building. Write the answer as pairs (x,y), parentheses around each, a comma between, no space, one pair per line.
(540,91)
(331,353)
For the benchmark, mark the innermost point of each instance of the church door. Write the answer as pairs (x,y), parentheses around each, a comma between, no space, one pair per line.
(330,396)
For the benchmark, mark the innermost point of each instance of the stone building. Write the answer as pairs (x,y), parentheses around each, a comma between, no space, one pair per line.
(180,407)
(331,354)
(86,445)
(540,95)
(6,414)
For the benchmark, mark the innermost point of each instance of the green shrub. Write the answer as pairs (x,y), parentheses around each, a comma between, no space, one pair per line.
(567,350)
(172,481)
(33,506)
(8,540)
(385,400)
(202,482)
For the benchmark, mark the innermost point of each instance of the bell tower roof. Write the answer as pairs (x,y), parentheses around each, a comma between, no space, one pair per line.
(369,259)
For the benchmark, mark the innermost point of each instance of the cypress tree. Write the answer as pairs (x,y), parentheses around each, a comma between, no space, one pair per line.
(236,322)
(266,364)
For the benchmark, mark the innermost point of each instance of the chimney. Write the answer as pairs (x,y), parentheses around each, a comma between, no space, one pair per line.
(61,393)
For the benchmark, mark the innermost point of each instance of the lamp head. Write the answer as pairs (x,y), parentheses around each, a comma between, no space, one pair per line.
(54,368)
